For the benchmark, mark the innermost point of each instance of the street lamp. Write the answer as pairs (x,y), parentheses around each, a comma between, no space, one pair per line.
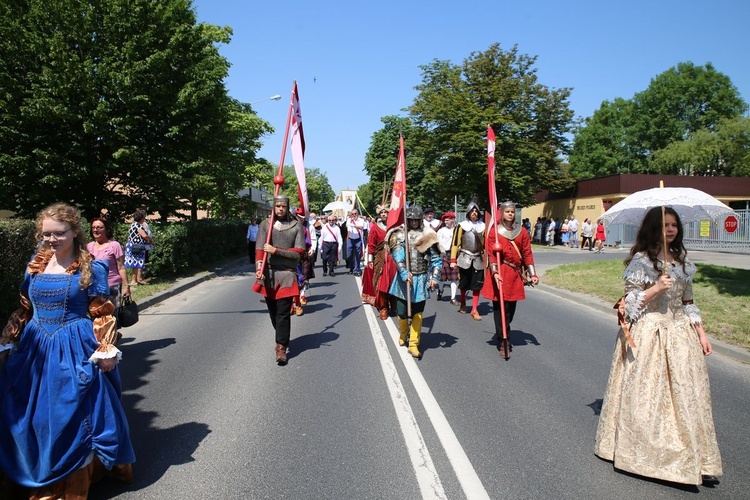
(272,98)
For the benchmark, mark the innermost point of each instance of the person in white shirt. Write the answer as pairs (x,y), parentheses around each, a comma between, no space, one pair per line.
(551,232)
(429,219)
(573,232)
(354,233)
(449,274)
(330,246)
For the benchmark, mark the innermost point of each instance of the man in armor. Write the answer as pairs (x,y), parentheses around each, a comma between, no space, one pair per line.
(467,252)
(513,246)
(422,273)
(280,287)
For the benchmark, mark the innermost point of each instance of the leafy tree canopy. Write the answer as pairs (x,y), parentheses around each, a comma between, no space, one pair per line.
(686,103)
(117,104)
(319,190)
(449,119)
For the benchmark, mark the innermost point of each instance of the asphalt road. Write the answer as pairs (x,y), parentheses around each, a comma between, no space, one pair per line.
(353,417)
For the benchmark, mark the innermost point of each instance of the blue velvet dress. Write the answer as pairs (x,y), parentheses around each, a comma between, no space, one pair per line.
(56,406)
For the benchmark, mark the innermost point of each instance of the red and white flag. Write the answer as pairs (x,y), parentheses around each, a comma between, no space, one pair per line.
(398,199)
(298,150)
(491,175)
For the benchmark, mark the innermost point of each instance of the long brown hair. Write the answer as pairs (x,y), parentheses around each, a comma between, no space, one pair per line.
(62,212)
(649,239)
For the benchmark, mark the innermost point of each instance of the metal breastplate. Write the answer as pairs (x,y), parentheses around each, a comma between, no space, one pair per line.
(418,262)
(471,242)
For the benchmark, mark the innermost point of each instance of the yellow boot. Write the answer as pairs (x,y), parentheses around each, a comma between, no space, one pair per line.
(403,328)
(416,328)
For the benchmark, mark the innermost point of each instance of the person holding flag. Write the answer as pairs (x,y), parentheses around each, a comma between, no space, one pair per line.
(508,252)
(284,238)
(283,251)
(416,274)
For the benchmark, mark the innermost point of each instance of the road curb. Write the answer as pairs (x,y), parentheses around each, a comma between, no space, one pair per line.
(186,284)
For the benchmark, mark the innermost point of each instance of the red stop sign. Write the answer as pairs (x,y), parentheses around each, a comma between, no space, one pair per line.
(730,224)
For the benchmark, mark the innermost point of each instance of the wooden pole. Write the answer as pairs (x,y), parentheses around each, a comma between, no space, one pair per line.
(278,180)
(664,232)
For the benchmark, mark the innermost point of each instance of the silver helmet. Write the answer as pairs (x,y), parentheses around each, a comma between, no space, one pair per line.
(472,206)
(414,212)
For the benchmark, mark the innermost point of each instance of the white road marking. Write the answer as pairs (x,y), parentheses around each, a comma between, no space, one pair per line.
(467,476)
(424,468)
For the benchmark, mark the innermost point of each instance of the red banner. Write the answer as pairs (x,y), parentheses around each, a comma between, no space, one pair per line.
(398,199)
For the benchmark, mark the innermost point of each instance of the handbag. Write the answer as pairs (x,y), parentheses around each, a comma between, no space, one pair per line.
(137,248)
(127,313)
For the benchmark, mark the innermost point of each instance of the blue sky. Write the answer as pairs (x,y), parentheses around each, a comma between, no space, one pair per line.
(355,62)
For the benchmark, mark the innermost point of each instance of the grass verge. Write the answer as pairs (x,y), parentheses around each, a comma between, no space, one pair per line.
(721,293)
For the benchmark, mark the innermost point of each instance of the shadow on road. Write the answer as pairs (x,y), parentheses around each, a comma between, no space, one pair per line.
(517,338)
(156,450)
(310,341)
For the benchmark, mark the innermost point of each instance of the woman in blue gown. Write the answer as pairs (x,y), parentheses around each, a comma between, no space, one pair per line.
(62,425)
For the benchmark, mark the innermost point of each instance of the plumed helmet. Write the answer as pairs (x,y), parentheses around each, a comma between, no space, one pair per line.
(414,212)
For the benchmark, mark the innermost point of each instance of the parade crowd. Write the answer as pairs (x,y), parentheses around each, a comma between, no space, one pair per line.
(62,424)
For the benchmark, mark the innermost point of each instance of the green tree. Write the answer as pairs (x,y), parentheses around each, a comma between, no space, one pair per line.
(381,160)
(500,88)
(117,104)
(681,101)
(723,151)
(684,102)
(319,190)
(604,144)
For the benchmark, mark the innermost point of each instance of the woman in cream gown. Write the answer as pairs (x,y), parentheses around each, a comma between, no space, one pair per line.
(656,419)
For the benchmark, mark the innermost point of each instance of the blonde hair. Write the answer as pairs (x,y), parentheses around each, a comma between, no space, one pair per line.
(62,212)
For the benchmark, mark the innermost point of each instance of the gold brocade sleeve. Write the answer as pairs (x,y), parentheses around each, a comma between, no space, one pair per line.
(17,322)
(458,232)
(101,310)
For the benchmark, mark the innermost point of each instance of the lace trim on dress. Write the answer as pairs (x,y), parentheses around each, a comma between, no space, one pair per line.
(112,352)
(635,305)
(641,270)
(693,313)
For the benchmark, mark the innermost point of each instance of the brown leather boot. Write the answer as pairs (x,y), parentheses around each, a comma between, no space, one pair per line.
(281,354)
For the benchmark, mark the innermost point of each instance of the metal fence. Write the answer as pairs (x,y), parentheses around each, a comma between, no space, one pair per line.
(717,237)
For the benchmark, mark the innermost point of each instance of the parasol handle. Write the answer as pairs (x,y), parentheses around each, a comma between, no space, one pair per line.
(664,232)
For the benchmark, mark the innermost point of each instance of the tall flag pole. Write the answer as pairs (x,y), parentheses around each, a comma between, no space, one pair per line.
(298,150)
(504,346)
(278,181)
(397,213)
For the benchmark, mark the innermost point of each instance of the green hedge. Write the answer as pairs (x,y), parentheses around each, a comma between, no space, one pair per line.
(17,243)
(180,248)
